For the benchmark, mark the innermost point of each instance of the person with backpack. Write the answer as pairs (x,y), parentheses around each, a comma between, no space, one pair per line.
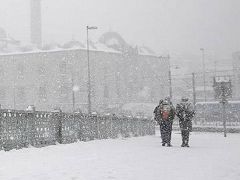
(157,115)
(185,113)
(165,114)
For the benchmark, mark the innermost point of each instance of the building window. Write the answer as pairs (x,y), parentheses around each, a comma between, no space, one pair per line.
(63,67)
(117,80)
(21,94)
(64,93)
(106,91)
(2,94)
(42,94)
(41,70)
(1,71)
(20,70)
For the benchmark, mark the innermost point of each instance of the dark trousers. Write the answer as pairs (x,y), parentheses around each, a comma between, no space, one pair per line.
(185,136)
(166,131)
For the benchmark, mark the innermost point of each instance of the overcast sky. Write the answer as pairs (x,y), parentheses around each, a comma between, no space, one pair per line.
(174,26)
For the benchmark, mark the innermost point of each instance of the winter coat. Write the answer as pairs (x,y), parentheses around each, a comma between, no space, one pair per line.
(185,113)
(159,112)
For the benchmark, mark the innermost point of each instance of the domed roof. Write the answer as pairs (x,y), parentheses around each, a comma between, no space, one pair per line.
(113,40)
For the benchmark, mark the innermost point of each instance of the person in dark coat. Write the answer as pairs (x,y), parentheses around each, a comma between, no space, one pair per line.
(185,113)
(165,114)
(157,115)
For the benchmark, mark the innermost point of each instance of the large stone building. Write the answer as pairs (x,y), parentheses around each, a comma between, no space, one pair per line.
(49,76)
(46,78)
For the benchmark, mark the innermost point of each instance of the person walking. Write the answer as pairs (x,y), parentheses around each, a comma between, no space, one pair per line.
(185,113)
(157,114)
(165,114)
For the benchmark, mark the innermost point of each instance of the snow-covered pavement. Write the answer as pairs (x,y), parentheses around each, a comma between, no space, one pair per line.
(210,157)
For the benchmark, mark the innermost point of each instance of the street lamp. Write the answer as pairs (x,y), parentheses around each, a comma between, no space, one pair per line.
(204,75)
(89,73)
(170,78)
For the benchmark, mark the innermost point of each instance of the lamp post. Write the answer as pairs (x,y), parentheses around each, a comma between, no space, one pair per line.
(204,75)
(170,78)
(204,82)
(89,73)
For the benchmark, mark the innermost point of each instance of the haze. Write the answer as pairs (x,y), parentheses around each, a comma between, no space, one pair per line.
(172,26)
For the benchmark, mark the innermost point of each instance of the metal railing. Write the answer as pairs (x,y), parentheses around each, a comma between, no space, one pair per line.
(19,129)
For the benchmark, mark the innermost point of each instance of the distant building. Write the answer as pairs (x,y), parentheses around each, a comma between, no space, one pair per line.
(52,76)
(46,78)
(7,43)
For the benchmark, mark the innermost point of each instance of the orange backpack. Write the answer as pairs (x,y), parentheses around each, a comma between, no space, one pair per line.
(165,115)
(165,112)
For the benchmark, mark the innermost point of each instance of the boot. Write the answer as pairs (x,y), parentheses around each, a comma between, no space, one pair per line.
(183,143)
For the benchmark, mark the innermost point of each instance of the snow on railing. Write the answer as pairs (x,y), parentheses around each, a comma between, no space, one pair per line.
(20,129)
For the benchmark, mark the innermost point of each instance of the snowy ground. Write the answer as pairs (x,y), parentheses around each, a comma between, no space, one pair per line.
(210,157)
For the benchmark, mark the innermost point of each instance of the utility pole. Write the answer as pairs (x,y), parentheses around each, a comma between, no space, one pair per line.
(204,74)
(170,84)
(89,78)
(36,23)
(204,83)
(224,102)
(194,90)
(89,73)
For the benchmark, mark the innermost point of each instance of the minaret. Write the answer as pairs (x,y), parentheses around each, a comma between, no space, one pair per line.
(36,23)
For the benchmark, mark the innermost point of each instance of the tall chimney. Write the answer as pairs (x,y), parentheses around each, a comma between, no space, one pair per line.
(36,23)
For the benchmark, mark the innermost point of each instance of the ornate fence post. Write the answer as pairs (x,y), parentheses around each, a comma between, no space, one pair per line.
(30,112)
(57,118)
(59,127)
(78,119)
